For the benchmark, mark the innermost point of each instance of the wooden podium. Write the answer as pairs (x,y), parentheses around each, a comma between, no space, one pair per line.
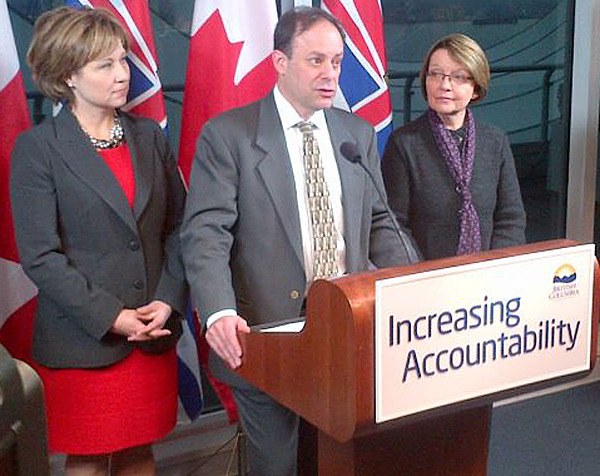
(325,373)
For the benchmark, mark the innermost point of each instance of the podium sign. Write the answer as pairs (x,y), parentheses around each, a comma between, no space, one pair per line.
(449,335)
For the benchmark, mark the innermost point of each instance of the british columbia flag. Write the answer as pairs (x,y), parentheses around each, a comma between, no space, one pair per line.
(145,99)
(363,86)
(145,92)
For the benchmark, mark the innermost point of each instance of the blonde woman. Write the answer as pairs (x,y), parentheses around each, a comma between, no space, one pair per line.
(451,179)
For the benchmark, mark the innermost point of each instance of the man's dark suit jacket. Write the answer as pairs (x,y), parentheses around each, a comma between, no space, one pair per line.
(241,233)
(87,251)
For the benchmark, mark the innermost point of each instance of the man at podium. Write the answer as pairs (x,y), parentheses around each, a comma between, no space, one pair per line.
(275,202)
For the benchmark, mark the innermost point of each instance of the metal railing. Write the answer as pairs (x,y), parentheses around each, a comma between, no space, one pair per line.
(408,88)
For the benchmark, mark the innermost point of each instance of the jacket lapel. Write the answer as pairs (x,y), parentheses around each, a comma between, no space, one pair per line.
(76,151)
(141,156)
(276,172)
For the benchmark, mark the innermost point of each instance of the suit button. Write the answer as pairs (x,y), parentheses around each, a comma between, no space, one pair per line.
(134,245)
(138,284)
(295,294)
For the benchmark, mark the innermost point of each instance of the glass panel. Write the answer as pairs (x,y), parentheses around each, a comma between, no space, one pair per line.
(527,44)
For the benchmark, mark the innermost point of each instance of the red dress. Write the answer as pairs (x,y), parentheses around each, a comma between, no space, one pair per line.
(130,403)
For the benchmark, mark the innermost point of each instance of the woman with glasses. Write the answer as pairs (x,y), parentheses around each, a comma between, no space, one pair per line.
(450,178)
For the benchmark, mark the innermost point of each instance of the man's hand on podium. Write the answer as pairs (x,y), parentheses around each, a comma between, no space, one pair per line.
(222,336)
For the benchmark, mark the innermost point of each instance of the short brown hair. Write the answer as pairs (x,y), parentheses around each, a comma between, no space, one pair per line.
(296,21)
(66,39)
(468,53)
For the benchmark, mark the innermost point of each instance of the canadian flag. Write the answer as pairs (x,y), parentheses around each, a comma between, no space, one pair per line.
(17,292)
(229,63)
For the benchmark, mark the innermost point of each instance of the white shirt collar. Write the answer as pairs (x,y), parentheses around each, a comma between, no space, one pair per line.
(289,116)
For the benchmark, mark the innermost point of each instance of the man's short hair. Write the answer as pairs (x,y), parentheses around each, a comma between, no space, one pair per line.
(296,21)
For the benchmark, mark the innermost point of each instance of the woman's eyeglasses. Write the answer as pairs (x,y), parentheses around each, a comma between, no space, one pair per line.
(455,78)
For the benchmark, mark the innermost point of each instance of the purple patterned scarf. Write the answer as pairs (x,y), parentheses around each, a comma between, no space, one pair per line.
(460,163)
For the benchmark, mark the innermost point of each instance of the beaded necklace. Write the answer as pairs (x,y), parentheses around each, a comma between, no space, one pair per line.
(115,140)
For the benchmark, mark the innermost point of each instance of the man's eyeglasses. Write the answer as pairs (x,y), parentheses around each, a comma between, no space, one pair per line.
(455,78)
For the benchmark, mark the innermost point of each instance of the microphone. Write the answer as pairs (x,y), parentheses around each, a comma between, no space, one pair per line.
(350,152)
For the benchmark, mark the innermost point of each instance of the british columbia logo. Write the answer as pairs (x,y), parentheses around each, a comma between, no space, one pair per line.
(564,282)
